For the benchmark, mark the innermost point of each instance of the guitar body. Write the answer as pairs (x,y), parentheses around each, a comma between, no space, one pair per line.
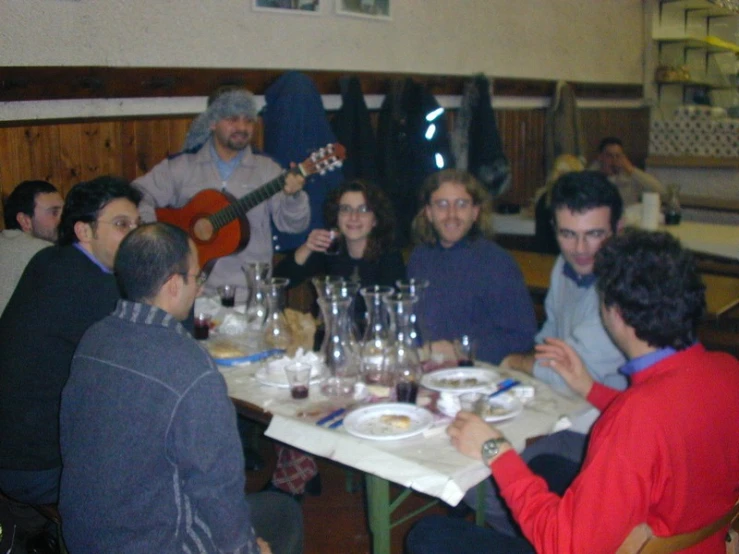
(193,219)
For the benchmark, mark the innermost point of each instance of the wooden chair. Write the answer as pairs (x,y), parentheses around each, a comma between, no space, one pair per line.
(642,541)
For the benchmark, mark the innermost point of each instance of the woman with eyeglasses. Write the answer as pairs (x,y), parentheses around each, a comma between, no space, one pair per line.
(360,217)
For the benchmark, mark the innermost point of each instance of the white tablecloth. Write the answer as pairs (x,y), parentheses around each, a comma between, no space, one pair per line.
(426,463)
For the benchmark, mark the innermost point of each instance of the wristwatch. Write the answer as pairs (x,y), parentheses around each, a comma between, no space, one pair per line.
(491,448)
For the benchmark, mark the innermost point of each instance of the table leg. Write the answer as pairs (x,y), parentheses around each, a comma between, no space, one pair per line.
(378,507)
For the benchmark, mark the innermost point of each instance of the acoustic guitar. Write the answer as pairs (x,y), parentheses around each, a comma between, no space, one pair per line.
(217,222)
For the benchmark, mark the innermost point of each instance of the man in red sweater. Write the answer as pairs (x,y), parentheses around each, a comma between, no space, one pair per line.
(665,452)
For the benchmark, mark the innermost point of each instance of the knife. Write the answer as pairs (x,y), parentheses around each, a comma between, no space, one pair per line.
(250,358)
(329,417)
(503,386)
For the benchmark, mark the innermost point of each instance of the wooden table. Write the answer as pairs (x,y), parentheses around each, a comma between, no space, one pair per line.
(722,292)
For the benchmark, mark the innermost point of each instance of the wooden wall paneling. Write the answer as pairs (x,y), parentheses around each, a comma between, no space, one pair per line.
(100,149)
(9,154)
(71,158)
(129,155)
(522,134)
(37,153)
(152,143)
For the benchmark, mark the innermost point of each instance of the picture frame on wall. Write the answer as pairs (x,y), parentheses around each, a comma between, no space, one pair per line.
(309,7)
(373,9)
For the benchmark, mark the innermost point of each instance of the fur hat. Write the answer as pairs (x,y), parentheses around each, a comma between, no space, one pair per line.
(229,103)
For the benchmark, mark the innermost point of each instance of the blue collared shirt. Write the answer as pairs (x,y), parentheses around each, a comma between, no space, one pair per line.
(647,360)
(582,281)
(226,168)
(92,258)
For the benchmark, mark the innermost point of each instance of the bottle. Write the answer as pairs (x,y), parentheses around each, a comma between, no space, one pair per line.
(417,287)
(276,329)
(341,354)
(256,305)
(402,360)
(673,213)
(377,336)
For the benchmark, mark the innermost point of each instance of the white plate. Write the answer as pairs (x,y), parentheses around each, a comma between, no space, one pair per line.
(367,422)
(460,379)
(279,379)
(502,407)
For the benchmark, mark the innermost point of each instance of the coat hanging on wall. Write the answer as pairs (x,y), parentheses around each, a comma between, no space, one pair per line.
(563,129)
(295,124)
(353,129)
(477,144)
(413,142)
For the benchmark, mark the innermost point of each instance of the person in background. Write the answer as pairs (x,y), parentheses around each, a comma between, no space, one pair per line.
(148,435)
(476,288)
(363,217)
(630,181)
(218,155)
(664,452)
(64,290)
(32,213)
(545,239)
(587,212)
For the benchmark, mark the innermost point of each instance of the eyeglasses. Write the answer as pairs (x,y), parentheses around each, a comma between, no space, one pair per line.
(123,224)
(346,209)
(200,277)
(458,203)
(592,236)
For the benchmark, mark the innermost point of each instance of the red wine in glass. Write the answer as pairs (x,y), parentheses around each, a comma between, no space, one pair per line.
(406,391)
(300,392)
(201,329)
(227,302)
(465,362)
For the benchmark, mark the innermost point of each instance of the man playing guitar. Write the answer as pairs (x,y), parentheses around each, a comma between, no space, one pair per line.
(218,155)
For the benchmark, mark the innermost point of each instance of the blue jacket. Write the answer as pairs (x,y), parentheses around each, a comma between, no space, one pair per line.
(295,124)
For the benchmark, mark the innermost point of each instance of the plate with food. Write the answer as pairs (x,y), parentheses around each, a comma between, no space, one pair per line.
(459,380)
(388,421)
(498,408)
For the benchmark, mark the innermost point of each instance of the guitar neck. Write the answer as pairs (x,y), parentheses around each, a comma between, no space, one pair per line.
(240,208)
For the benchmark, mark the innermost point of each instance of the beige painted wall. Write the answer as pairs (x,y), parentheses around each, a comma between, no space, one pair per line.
(577,40)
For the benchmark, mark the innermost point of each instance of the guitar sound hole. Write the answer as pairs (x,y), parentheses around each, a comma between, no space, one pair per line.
(203,230)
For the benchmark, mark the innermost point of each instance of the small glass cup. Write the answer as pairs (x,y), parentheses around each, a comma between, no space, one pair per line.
(201,328)
(228,295)
(465,348)
(298,377)
(333,248)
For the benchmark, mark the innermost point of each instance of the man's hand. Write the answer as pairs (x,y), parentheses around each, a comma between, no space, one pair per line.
(521,362)
(563,359)
(625,165)
(293,182)
(468,433)
(263,546)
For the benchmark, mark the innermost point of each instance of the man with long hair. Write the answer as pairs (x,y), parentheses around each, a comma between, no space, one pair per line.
(476,288)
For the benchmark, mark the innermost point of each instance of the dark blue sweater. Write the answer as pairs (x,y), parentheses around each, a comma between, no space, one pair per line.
(475,289)
(151,454)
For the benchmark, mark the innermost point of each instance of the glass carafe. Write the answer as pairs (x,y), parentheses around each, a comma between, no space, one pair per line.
(416,287)
(377,336)
(348,289)
(276,329)
(256,304)
(402,360)
(341,353)
(323,286)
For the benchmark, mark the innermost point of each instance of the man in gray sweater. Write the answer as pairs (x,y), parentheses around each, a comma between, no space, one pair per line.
(151,453)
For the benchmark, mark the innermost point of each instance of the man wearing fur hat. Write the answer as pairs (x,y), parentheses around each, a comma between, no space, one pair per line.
(218,155)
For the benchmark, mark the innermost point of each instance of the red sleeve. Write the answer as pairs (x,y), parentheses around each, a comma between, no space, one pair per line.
(606,500)
(601,396)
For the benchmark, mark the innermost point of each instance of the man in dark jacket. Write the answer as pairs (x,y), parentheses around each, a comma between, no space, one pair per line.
(63,291)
